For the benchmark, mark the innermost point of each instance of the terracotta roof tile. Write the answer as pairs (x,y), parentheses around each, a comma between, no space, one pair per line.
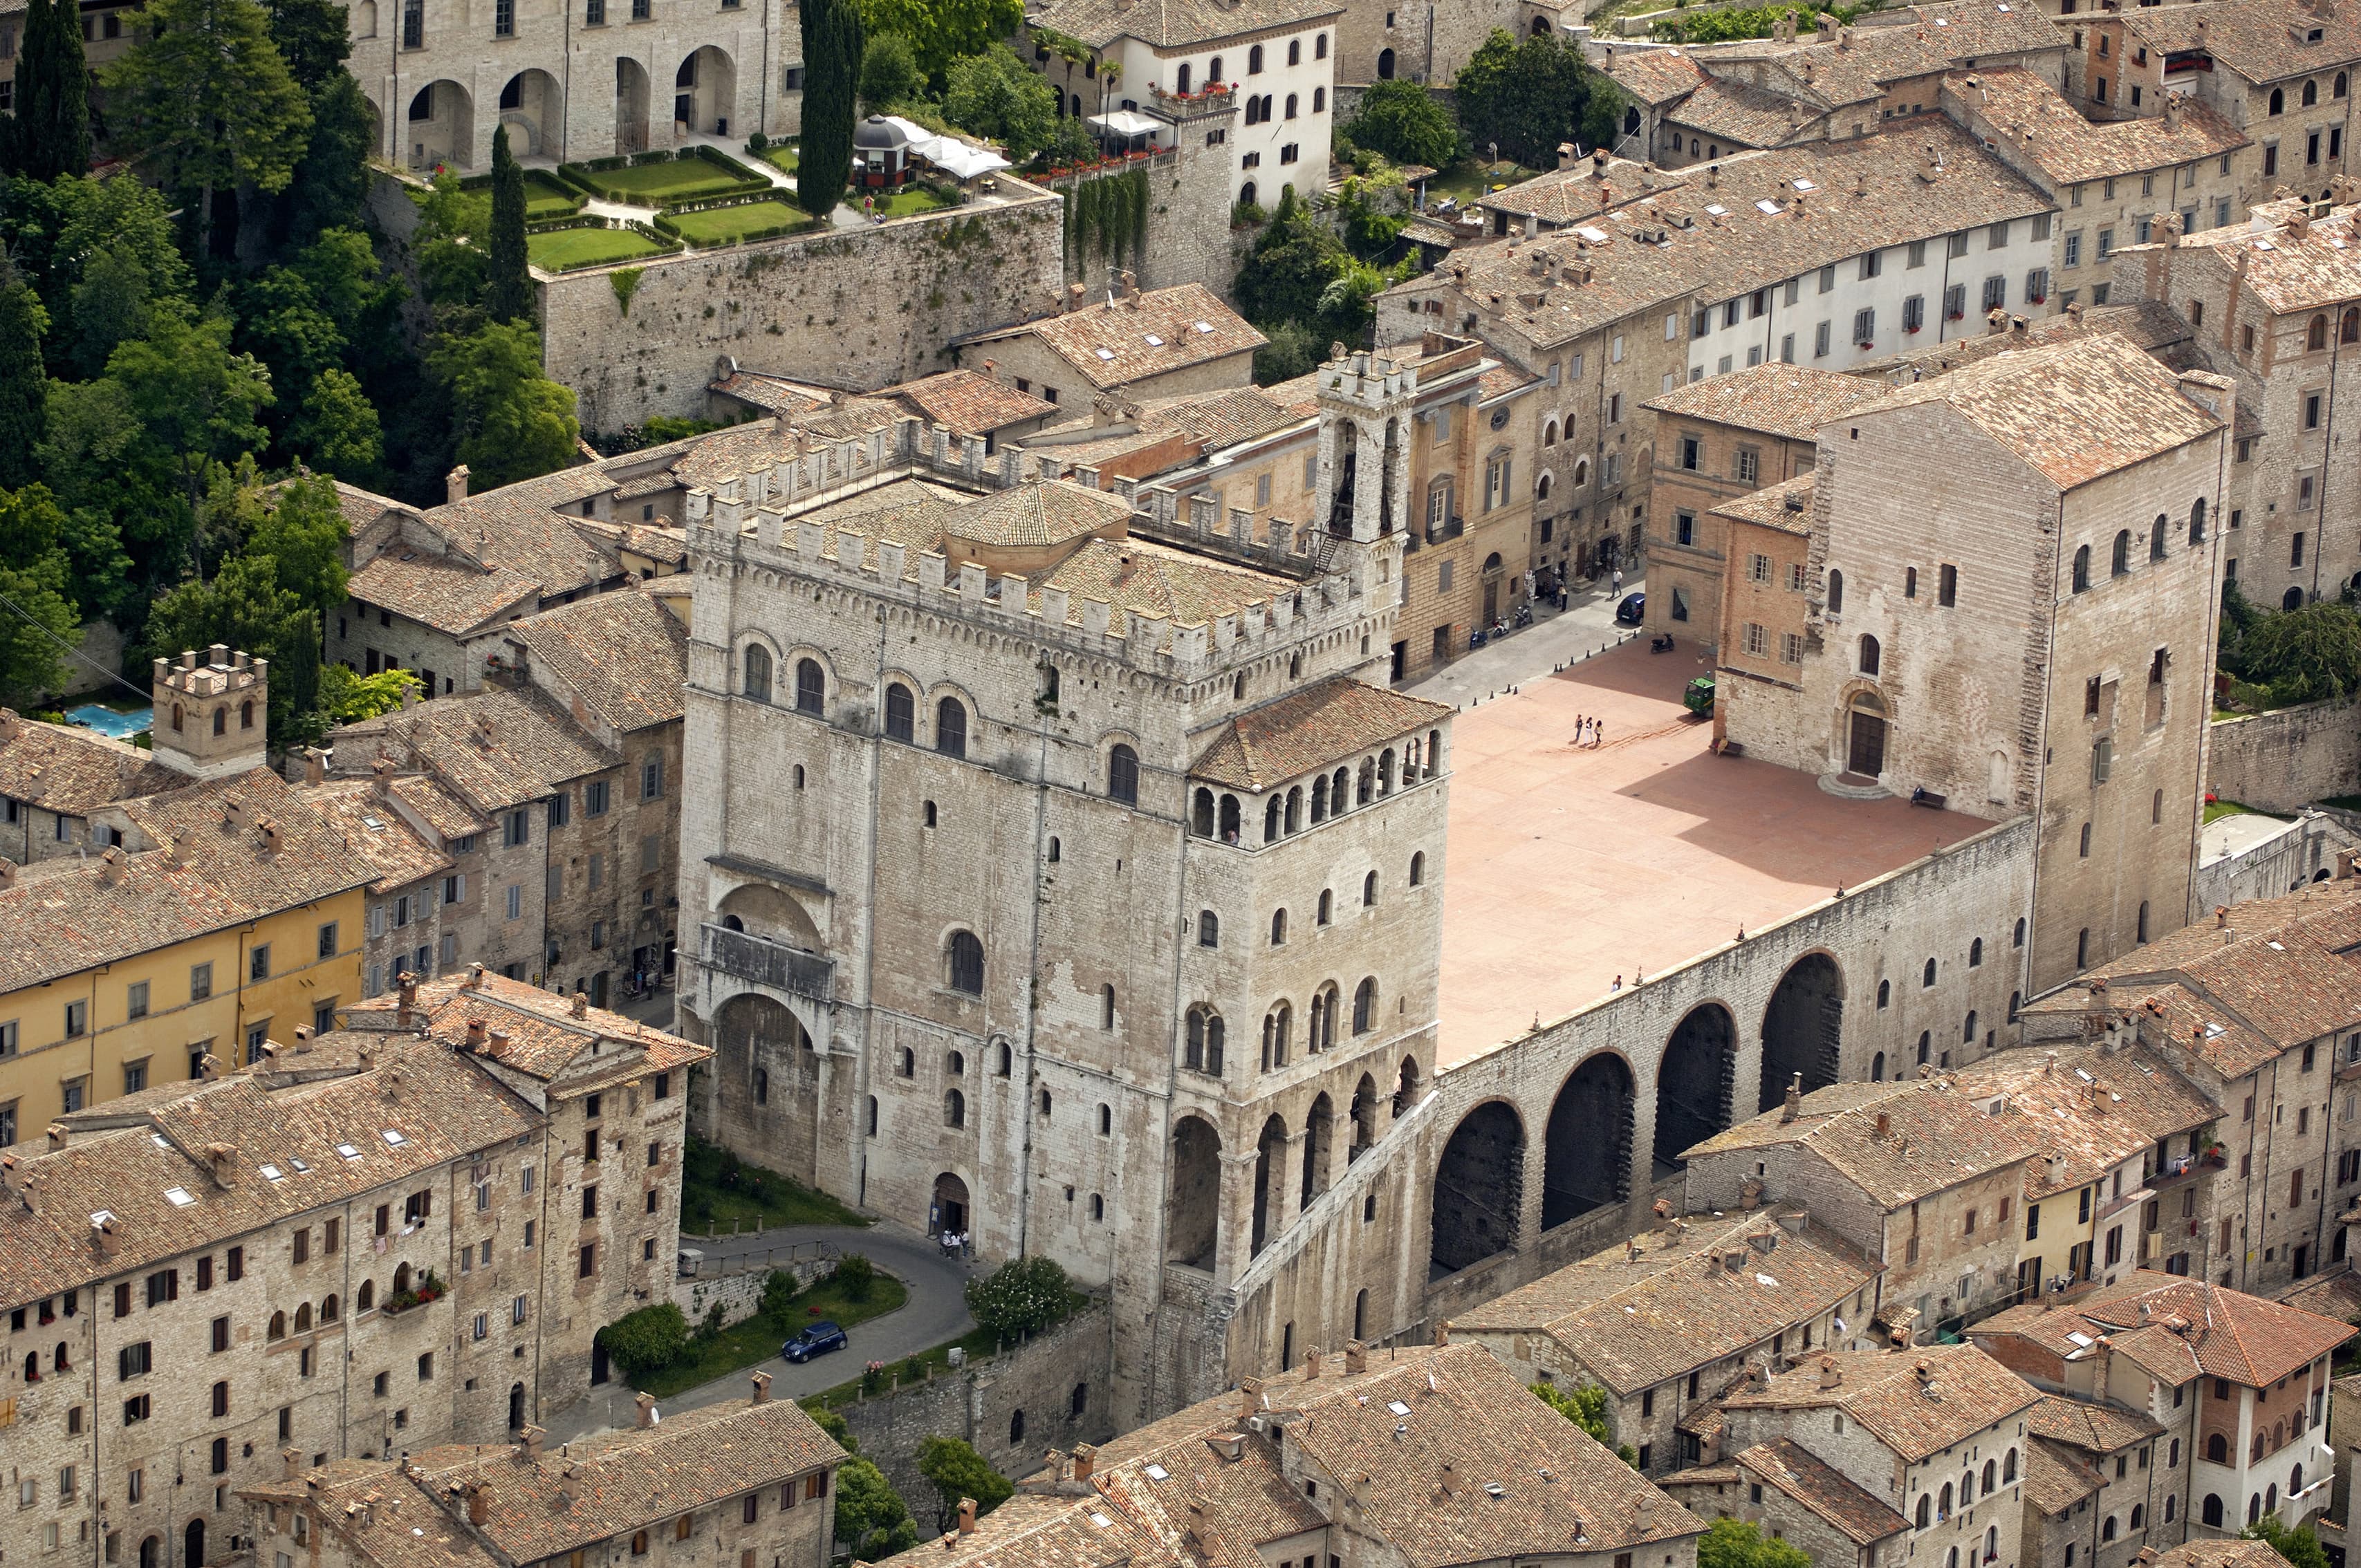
(2285,270)
(969,402)
(1887,1393)
(1169,24)
(2092,1109)
(73,772)
(546,1039)
(623,655)
(2056,1478)
(496,749)
(445,592)
(1803,1475)
(1115,343)
(1319,725)
(2218,1553)
(2036,119)
(2101,1429)
(377,832)
(1790,400)
(1140,577)
(1744,113)
(2179,1329)
(1786,507)
(1038,512)
(1935,1138)
(518,528)
(2262,40)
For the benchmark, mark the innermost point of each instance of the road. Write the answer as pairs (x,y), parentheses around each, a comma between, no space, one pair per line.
(1554,639)
(935,1311)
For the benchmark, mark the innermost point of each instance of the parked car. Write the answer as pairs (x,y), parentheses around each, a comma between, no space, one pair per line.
(1633,607)
(816,1339)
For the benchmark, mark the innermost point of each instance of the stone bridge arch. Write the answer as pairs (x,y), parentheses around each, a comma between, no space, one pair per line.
(769,1081)
(1696,1083)
(1478,1190)
(1586,1150)
(1803,1028)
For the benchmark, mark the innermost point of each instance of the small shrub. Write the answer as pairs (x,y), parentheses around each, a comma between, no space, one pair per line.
(836,1426)
(711,1329)
(1021,1296)
(959,1470)
(648,1339)
(758,144)
(855,1276)
(1248,215)
(778,1296)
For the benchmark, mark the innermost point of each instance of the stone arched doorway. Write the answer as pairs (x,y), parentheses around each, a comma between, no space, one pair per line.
(1586,1153)
(1479,1188)
(765,910)
(631,105)
(950,1213)
(1697,1082)
(1802,1028)
(439,127)
(767,1081)
(1385,65)
(1270,1211)
(533,107)
(192,1544)
(704,94)
(1192,1209)
(1865,735)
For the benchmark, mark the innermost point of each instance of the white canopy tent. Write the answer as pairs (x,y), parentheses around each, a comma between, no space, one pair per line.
(955,157)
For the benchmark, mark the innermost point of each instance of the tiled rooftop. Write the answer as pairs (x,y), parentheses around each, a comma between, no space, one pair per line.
(969,402)
(1803,1475)
(2262,40)
(1038,513)
(1570,867)
(623,653)
(2178,1328)
(446,592)
(1934,1136)
(546,1038)
(381,835)
(1115,342)
(1917,1402)
(2096,1109)
(2148,325)
(496,748)
(2033,117)
(70,771)
(1790,400)
(1318,726)
(1172,24)
(2300,265)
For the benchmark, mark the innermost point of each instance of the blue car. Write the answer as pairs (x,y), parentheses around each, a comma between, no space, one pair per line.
(1634,609)
(816,1339)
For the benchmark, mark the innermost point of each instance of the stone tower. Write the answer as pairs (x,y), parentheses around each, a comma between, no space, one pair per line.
(1365,408)
(212,718)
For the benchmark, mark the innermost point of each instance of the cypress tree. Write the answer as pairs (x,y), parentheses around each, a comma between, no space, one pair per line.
(23,383)
(832,46)
(51,133)
(508,293)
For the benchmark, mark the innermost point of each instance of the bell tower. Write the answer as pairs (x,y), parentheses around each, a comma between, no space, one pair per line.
(212,719)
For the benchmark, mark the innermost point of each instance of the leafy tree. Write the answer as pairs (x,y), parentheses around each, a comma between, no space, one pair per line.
(1370,230)
(1294,259)
(648,1339)
(208,101)
(779,1296)
(831,30)
(338,432)
(108,474)
(855,1276)
(1020,1296)
(244,607)
(49,132)
(942,32)
(1294,349)
(1727,1543)
(24,414)
(1409,125)
(302,529)
(957,1471)
(331,177)
(1528,97)
(2301,1547)
(1587,1408)
(348,696)
(871,1520)
(282,323)
(998,96)
(39,619)
(196,399)
(118,267)
(508,293)
(313,37)
(512,421)
(2304,655)
(449,245)
(889,72)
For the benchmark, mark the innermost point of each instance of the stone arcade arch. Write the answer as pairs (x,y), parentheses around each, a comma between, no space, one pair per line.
(765,910)
(439,127)
(1192,1209)
(631,105)
(1270,1211)
(1802,1028)
(533,107)
(1586,1152)
(1479,1188)
(705,93)
(757,1041)
(1696,1083)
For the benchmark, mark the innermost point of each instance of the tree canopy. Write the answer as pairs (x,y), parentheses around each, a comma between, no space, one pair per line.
(941,32)
(24,415)
(1731,1543)
(39,619)
(871,1520)
(833,46)
(1406,123)
(1525,96)
(49,133)
(512,421)
(889,72)
(1587,1408)
(996,95)
(508,291)
(958,1472)
(2304,655)
(2301,1547)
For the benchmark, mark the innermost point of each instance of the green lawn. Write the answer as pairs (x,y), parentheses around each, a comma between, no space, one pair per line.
(758,1339)
(2221,808)
(782,157)
(719,1189)
(902,203)
(677,179)
(979,1343)
(1471,179)
(580,248)
(726,225)
(545,196)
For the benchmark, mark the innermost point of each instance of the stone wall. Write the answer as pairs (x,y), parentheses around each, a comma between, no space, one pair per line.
(1012,1407)
(2279,865)
(858,307)
(740,1296)
(2279,761)
(1188,235)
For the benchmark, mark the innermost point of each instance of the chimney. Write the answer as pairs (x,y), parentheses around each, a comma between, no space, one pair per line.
(1356,1356)
(1884,1125)
(479,1502)
(1450,1479)
(454,486)
(580,1007)
(1312,1363)
(1829,1377)
(762,1389)
(1795,1103)
(1250,1397)
(475,980)
(290,1462)
(110,866)
(967,1516)
(57,1136)
(302,1039)
(270,836)
(645,1405)
(381,777)
(223,1159)
(102,1234)
(475,1030)
(315,766)
(1086,1457)
(232,810)
(533,1438)
(409,989)
(496,1042)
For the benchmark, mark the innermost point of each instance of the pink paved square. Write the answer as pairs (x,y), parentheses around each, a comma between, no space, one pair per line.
(1571,866)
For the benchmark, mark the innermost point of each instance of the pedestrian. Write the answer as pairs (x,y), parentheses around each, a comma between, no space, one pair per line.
(1578,722)
(1598,732)
(1619,579)
(1617,985)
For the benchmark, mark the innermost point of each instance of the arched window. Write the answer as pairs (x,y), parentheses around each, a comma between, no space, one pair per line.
(1290,101)
(176,717)
(1549,433)
(2156,539)
(2008,1467)
(1209,928)
(1869,654)
(366,1296)
(245,714)
(2217,1449)
(955,1063)
(1201,814)
(1418,869)
(1925,1510)
(1943,1504)
(1976,953)
(1008,1054)
(304,1317)
(1277,1025)
(1836,592)
(2107,1530)
(278,1329)
(1123,775)
(1326,906)
(963,963)
(1365,1006)
(1180,80)
(1295,809)
(1323,1033)
(1386,768)
(328,1310)
(1295,52)
(1278,927)
(221,722)
(1884,992)
(2278,100)
(1270,810)
(951,726)
(2197,506)
(2310,93)
(1541,487)
(32,1366)
(901,712)
(2337,91)
(1106,1120)
(1369,890)
(1365,787)
(2017,940)
(1229,819)
(1046,1104)
(1385,65)
(1320,799)
(2120,564)
(1581,472)
(2211,1510)
(1968,1033)
(1967,1489)
(1927,975)
(1877,1067)
(761,1086)
(2139,1510)
(954,1109)
(811,686)
(1016,1428)
(757,683)
(2082,569)
(2348,326)
(1254,61)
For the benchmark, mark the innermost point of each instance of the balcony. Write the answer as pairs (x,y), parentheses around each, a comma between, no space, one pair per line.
(758,960)
(2179,1172)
